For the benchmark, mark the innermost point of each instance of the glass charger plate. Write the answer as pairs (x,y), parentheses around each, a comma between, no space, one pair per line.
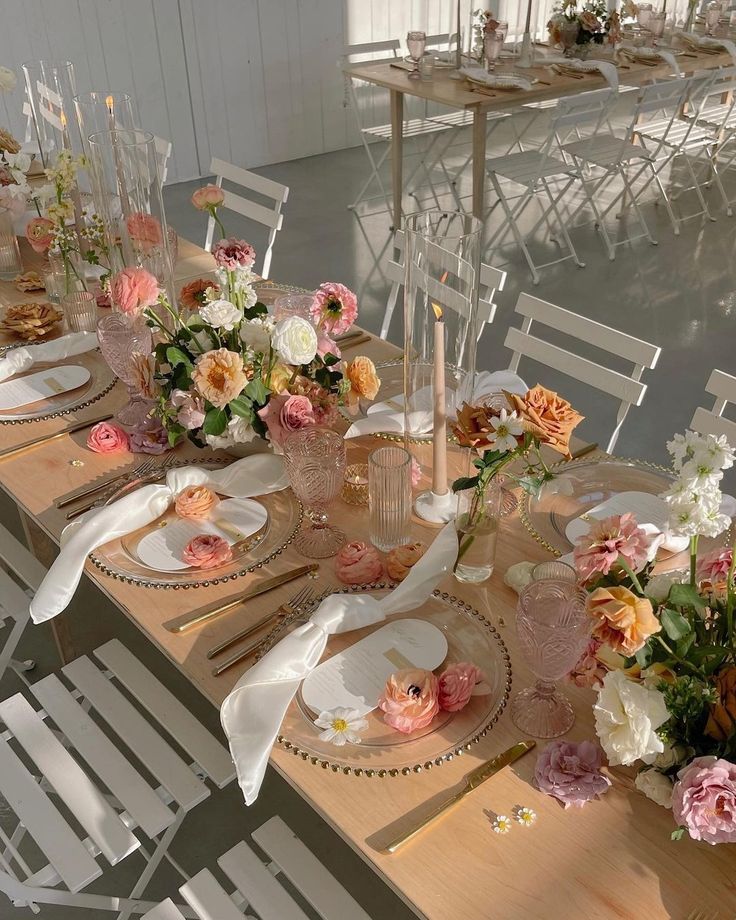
(580,485)
(268,291)
(383,751)
(119,557)
(100,382)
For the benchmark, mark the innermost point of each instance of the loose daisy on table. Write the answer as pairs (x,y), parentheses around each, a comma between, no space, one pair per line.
(341,725)
(501,824)
(525,816)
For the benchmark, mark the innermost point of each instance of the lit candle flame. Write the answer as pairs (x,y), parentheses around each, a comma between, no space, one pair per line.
(437,310)
(109,103)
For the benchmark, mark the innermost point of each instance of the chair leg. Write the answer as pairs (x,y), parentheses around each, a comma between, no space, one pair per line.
(635,206)
(511,217)
(563,228)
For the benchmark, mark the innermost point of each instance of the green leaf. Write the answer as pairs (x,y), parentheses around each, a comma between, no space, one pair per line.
(330,359)
(465,482)
(675,625)
(685,596)
(176,356)
(175,433)
(678,833)
(256,391)
(215,421)
(241,406)
(644,655)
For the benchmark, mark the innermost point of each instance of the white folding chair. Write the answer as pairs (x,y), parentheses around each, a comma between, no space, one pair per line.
(258,888)
(14,598)
(711,421)
(491,280)
(269,217)
(627,388)
(163,154)
(80,824)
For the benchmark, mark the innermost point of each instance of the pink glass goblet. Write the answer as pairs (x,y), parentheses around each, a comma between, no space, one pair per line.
(553,627)
(315,465)
(119,339)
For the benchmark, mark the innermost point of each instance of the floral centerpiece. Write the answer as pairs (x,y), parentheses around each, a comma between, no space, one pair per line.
(663,652)
(592,23)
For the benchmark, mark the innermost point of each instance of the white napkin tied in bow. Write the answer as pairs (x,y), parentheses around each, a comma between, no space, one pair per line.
(257,475)
(496,80)
(20,359)
(253,712)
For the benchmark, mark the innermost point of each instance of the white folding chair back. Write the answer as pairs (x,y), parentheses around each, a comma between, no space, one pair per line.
(15,599)
(269,216)
(163,154)
(628,389)
(711,421)
(717,112)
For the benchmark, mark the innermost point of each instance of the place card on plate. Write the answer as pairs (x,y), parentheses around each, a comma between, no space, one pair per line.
(42,385)
(356,677)
(647,508)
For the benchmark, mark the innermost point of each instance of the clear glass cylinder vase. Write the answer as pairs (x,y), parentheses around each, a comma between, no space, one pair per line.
(10,261)
(51,89)
(101,111)
(477,521)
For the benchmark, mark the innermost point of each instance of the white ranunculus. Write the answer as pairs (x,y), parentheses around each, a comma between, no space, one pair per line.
(295,340)
(221,314)
(8,80)
(627,716)
(256,334)
(655,786)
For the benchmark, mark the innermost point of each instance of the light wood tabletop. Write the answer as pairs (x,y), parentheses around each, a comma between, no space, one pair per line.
(611,859)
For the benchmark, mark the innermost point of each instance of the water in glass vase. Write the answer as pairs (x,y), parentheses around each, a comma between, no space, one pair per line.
(477,523)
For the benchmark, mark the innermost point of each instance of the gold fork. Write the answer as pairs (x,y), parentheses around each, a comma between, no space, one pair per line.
(85,506)
(75,496)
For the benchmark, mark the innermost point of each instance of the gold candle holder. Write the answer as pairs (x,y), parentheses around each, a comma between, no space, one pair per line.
(355,484)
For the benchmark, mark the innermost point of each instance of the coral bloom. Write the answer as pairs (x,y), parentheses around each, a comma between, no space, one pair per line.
(233,253)
(409,699)
(622,620)
(207,197)
(219,376)
(546,416)
(40,233)
(108,438)
(358,564)
(207,551)
(400,560)
(195,502)
(134,289)
(475,426)
(458,683)
(334,308)
(191,296)
(144,230)
(361,372)
(599,549)
(704,800)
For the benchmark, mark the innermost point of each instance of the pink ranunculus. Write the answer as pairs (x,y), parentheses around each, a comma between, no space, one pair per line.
(704,799)
(40,233)
(232,253)
(207,197)
(409,699)
(714,566)
(108,438)
(358,564)
(598,550)
(144,230)
(191,409)
(326,345)
(589,670)
(458,683)
(571,772)
(285,413)
(415,472)
(134,289)
(207,551)
(334,308)
(149,438)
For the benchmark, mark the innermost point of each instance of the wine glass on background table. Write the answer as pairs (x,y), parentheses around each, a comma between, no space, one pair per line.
(492,45)
(416,43)
(119,340)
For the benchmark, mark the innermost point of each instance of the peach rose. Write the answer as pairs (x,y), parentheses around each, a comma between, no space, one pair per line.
(546,416)
(40,233)
(195,502)
(361,372)
(458,683)
(219,376)
(144,230)
(108,438)
(473,427)
(410,699)
(191,296)
(622,620)
(207,551)
(358,564)
(133,289)
(207,197)
(401,558)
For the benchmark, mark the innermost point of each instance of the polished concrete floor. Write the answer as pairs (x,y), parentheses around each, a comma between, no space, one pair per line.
(680,295)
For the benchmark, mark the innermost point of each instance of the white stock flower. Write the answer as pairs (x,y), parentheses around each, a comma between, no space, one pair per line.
(341,725)
(295,340)
(221,314)
(8,80)
(655,786)
(506,429)
(256,334)
(627,716)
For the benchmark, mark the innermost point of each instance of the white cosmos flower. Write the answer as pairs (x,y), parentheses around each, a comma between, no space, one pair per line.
(507,428)
(655,786)
(627,716)
(221,314)
(295,340)
(341,725)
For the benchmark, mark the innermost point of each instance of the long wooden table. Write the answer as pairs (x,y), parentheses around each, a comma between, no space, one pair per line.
(459,94)
(611,859)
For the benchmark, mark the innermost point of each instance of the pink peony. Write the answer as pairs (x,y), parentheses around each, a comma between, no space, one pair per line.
(40,233)
(233,253)
(571,772)
(358,564)
(208,197)
(334,308)
(714,566)
(191,409)
(144,230)
(133,289)
(704,799)
(409,699)
(207,551)
(285,413)
(149,438)
(458,683)
(108,438)
(598,550)
(589,670)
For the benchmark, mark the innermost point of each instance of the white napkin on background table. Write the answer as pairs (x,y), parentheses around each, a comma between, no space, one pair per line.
(257,475)
(707,41)
(253,712)
(496,81)
(20,359)
(653,54)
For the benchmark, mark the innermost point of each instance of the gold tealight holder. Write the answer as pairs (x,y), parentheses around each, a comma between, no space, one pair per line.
(355,484)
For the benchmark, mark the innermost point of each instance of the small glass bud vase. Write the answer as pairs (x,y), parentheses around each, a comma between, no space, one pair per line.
(477,522)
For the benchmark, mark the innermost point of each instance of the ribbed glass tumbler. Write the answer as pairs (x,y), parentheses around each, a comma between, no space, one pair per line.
(389,496)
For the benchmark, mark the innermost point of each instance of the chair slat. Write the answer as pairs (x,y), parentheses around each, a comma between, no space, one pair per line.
(166,910)
(722,385)
(707,422)
(57,841)
(204,895)
(18,558)
(391,44)
(91,743)
(250,180)
(269,900)
(13,599)
(252,211)
(306,873)
(148,746)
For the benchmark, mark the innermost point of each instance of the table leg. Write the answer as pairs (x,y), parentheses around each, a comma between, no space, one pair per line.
(397,154)
(479,162)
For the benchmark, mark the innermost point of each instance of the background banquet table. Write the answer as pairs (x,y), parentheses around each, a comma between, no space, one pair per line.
(611,859)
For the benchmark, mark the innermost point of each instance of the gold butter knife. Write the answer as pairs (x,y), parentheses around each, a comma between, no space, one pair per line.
(584,451)
(206,614)
(472,781)
(52,437)
(361,340)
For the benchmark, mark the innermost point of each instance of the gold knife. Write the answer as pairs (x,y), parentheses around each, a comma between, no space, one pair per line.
(584,451)
(52,437)
(206,614)
(472,781)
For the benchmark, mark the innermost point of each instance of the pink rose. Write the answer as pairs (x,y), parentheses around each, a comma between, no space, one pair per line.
(704,799)
(714,566)
(134,289)
(458,683)
(334,308)
(191,409)
(326,345)
(233,253)
(40,233)
(409,699)
(207,551)
(149,438)
(589,671)
(571,772)
(144,230)
(108,438)
(358,564)
(208,197)
(285,413)
(598,550)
